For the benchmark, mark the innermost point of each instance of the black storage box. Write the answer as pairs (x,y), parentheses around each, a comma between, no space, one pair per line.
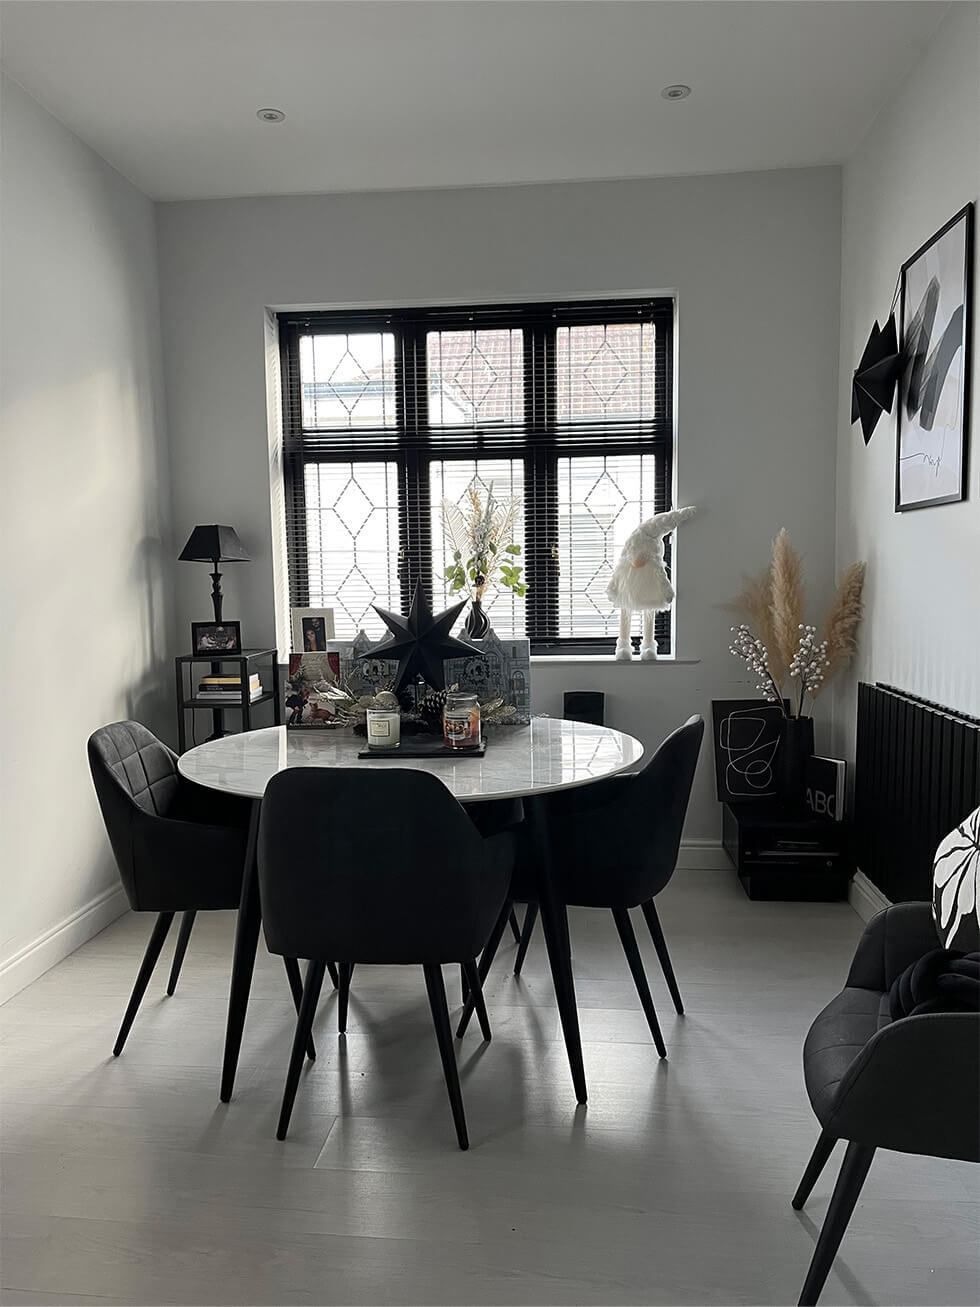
(785,853)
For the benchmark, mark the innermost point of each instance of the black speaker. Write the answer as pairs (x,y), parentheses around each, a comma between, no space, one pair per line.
(584,706)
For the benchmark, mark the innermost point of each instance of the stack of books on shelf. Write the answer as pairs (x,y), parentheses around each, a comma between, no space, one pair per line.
(228,689)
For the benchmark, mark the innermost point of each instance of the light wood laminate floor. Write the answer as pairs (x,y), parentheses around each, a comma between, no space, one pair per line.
(126,1181)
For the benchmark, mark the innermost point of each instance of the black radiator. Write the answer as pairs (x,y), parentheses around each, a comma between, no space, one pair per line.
(917,776)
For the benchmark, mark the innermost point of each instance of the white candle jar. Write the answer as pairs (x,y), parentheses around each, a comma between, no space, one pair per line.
(383,728)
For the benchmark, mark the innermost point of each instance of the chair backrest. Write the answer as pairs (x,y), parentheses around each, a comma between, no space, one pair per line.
(385,866)
(655,806)
(131,769)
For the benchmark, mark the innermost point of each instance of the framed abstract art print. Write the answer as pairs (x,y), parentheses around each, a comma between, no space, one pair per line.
(934,389)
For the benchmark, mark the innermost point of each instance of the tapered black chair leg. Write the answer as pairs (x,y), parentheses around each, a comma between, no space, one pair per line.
(444,1034)
(296,985)
(472,974)
(660,944)
(853,1172)
(345,971)
(527,930)
(304,1024)
(515,928)
(625,927)
(332,973)
(486,962)
(186,926)
(159,933)
(818,1160)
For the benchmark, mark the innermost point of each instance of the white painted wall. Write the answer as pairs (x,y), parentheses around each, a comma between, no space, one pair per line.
(754,261)
(918,165)
(85,544)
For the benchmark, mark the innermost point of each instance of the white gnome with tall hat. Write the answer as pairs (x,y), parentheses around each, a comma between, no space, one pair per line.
(639,582)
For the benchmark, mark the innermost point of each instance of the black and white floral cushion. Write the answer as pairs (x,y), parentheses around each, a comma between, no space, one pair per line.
(956,886)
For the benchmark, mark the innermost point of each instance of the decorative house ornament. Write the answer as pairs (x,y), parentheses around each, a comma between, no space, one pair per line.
(956,886)
(639,583)
(498,671)
(875,378)
(420,642)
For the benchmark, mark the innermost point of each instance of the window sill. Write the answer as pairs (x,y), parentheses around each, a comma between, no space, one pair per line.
(608,660)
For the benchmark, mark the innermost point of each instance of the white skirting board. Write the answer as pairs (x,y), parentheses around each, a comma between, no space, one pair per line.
(703,855)
(54,945)
(865,898)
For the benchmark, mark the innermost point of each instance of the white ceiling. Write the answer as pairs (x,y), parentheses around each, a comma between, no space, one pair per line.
(383,94)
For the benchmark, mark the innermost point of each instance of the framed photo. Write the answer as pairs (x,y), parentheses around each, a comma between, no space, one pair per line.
(312,628)
(934,390)
(216,637)
(309,691)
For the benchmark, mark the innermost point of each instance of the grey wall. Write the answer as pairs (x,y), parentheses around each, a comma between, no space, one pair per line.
(754,262)
(84,536)
(919,164)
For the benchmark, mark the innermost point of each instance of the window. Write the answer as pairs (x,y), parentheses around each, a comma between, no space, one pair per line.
(563,410)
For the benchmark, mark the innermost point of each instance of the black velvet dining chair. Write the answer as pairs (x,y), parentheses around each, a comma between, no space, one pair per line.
(615,846)
(178,847)
(378,867)
(878,1080)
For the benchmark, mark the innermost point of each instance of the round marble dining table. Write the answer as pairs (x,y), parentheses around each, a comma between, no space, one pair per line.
(526,762)
(548,755)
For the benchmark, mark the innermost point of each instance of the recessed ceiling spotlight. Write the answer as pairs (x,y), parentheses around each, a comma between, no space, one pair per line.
(676,92)
(270,115)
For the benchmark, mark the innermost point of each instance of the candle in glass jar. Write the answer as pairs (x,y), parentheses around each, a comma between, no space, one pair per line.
(461,721)
(383,728)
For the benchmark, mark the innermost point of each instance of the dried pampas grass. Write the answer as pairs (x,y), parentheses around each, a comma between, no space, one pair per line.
(753,603)
(844,618)
(786,604)
(771,606)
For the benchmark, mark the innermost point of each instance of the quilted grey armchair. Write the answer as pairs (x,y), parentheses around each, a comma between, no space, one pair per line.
(911,1085)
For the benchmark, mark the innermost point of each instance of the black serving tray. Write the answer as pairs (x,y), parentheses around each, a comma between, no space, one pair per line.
(420,746)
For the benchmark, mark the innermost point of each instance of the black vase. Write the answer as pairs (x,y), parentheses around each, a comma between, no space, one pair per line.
(477,623)
(795,746)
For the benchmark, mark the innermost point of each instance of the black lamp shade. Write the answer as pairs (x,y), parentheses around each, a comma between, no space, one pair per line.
(873,385)
(214,544)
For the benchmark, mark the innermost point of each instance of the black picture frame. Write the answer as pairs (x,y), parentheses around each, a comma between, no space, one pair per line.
(927,294)
(202,643)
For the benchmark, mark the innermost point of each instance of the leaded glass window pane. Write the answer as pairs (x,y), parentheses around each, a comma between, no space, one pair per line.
(348,380)
(476,378)
(600,501)
(352,542)
(605,371)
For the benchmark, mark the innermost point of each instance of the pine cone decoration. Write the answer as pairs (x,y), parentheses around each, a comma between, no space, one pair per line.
(430,708)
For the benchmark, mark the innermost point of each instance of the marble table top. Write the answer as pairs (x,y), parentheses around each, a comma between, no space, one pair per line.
(549,754)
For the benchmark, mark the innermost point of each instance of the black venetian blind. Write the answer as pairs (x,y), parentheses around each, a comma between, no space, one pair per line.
(564,409)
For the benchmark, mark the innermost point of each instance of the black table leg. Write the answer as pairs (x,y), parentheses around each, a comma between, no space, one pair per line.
(246,942)
(554,918)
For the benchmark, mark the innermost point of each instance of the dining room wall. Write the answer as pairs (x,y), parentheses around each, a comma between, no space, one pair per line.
(85,547)
(917,166)
(754,263)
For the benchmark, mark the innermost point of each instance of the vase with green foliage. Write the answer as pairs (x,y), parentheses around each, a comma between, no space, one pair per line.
(484,553)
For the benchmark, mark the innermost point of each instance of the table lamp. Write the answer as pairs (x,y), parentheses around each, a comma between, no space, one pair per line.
(214,544)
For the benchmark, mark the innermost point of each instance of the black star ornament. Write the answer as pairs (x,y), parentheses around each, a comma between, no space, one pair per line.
(421,642)
(873,385)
